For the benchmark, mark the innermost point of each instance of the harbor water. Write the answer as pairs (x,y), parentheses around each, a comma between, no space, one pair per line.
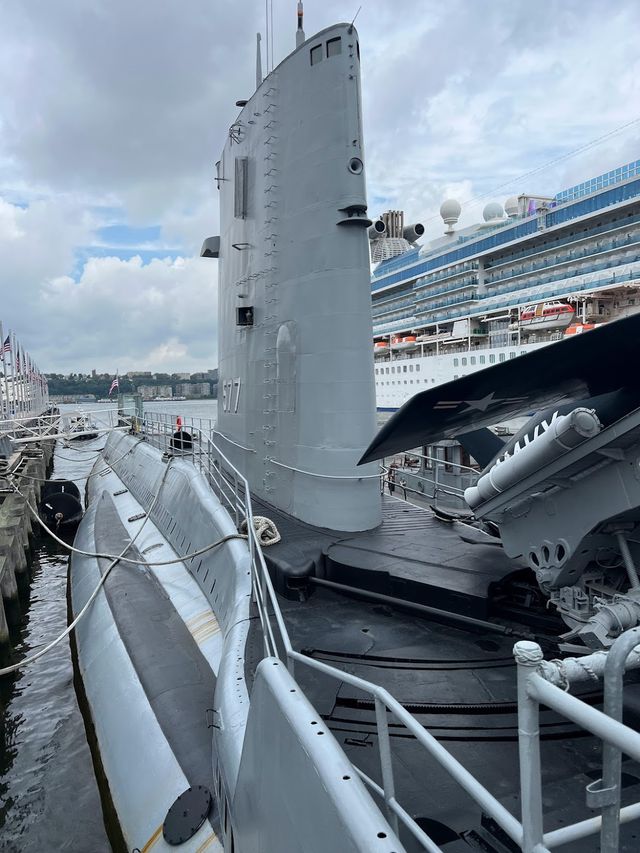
(49,798)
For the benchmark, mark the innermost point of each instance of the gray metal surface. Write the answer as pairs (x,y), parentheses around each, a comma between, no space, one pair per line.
(173,672)
(296,788)
(297,388)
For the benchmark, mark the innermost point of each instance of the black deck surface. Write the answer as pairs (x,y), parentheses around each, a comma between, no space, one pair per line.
(460,684)
(177,680)
(411,555)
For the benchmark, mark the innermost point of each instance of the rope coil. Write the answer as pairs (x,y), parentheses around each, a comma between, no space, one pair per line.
(266,531)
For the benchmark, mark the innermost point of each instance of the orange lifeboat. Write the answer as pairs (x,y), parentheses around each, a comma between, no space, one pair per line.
(547,315)
(403,343)
(578,328)
(380,346)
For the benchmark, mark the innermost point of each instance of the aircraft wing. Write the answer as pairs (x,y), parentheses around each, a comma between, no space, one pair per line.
(595,362)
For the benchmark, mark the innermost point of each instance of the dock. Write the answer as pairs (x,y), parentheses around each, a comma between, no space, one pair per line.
(32,463)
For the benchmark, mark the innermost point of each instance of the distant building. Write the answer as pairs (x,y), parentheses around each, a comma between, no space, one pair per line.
(199,377)
(139,374)
(181,376)
(201,389)
(193,389)
(150,392)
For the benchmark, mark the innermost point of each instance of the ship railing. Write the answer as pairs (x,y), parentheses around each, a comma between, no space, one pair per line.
(29,426)
(50,426)
(596,231)
(539,683)
(615,280)
(527,833)
(190,437)
(573,256)
(445,487)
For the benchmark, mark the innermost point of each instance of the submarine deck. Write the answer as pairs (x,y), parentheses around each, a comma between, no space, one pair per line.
(459,681)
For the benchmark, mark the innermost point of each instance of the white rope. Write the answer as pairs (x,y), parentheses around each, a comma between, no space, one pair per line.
(29,660)
(119,557)
(266,531)
(267,534)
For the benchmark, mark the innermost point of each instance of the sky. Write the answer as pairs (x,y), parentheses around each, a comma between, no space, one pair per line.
(113,114)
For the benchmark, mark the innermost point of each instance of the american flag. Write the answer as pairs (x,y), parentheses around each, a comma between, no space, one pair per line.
(6,347)
(115,384)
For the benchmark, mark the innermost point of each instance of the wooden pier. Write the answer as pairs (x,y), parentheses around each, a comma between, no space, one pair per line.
(17,528)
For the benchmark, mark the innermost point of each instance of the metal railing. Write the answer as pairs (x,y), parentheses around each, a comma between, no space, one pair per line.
(534,682)
(535,688)
(54,425)
(445,487)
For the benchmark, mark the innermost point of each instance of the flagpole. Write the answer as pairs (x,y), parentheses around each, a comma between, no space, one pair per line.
(18,365)
(32,390)
(27,381)
(12,344)
(5,393)
(20,370)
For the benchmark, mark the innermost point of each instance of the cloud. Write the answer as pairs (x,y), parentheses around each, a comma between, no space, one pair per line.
(112,115)
(130,314)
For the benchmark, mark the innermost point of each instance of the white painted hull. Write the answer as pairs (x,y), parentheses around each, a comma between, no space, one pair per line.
(397,380)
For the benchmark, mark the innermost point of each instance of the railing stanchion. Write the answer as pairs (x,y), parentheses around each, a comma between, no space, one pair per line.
(610,783)
(384,748)
(528,655)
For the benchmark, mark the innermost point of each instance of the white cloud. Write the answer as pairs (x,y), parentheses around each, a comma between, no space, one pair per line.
(126,315)
(112,111)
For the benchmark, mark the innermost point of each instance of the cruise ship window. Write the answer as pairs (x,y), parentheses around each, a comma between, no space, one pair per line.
(404,368)
(417,368)
(472,359)
(405,381)
(502,356)
(482,359)
(455,362)
(455,376)
(512,355)
(410,368)
(316,54)
(334,47)
(464,362)
(393,370)
(492,359)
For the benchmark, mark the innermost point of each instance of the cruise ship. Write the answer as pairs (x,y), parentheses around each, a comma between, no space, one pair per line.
(531,273)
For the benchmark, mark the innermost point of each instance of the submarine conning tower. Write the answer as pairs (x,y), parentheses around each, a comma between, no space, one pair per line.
(296,390)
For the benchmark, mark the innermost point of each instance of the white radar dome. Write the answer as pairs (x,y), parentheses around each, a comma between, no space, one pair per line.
(511,206)
(450,211)
(492,211)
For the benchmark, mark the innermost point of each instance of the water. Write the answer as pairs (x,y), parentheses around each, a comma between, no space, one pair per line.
(49,799)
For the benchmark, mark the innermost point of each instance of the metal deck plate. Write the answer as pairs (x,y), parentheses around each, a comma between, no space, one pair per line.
(186,815)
